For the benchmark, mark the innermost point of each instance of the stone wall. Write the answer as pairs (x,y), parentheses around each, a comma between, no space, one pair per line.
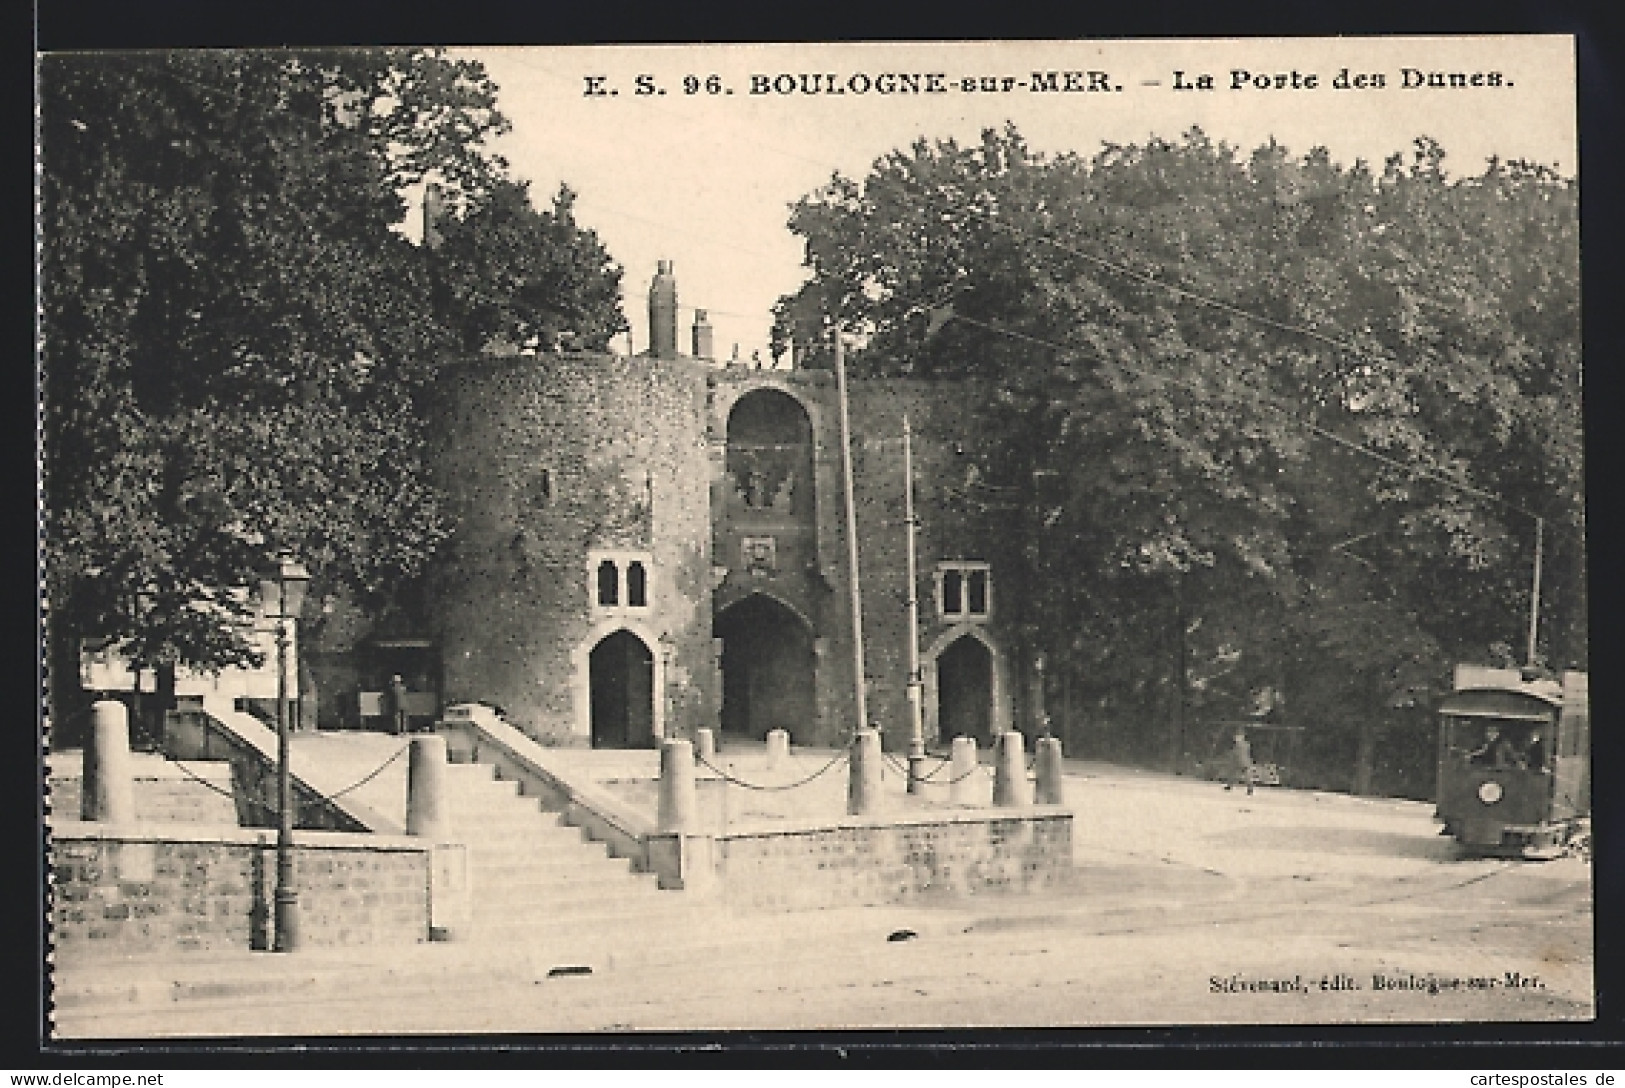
(123,890)
(862,861)
(547,459)
(960,518)
(162,792)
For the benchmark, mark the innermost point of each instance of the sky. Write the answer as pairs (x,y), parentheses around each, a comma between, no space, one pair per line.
(706,180)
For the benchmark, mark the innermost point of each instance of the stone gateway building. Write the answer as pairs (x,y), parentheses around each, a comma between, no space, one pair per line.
(652,544)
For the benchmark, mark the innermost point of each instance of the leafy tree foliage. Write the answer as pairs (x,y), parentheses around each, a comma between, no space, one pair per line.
(1190,348)
(532,278)
(236,338)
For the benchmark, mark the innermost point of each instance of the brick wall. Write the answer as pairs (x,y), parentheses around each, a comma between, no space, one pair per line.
(120,891)
(866,862)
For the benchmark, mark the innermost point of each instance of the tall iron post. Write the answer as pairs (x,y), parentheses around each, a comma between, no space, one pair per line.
(916,709)
(289,588)
(851,533)
(287,896)
(1534,593)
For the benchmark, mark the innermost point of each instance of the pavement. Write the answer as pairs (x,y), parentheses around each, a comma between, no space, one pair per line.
(1192,905)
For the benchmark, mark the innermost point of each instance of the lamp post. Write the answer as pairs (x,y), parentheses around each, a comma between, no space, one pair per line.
(286,587)
(916,707)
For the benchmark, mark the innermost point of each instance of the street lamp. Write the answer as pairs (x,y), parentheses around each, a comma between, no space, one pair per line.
(285,588)
(916,701)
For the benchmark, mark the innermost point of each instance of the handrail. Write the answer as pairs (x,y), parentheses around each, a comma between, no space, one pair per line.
(534,758)
(250,737)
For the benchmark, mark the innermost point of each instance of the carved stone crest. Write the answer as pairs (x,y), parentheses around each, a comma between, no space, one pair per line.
(759,554)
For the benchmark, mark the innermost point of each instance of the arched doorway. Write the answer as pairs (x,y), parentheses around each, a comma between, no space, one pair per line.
(621,676)
(965,691)
(767,669)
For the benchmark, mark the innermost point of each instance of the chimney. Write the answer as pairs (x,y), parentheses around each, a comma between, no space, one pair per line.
(702,336)
(663,313)
(434,209)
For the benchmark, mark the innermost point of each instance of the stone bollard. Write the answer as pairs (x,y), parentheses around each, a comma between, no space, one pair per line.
(426,787)
(778,748)
(676,785)
(964,777)
(107,793)
(705,746)
(1010,771)
(1049,771)
(863,779)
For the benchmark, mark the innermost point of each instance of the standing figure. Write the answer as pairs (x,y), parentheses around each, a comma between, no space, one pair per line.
(397,702)
(1241,753)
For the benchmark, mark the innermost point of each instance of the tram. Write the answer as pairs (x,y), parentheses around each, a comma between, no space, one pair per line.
(1514,761)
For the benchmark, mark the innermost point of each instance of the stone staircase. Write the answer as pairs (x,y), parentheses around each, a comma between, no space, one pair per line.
(539,882)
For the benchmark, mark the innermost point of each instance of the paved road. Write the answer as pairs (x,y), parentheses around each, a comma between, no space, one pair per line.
(1195,905)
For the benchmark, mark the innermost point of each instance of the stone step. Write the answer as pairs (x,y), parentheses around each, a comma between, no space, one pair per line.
(488,877)
(481,784)
(539,843)
(492,804)
(537,878)
(541,883)
(488,798)
(595,861)
(477,776)
(518,842)
(579,897)
(504,824)
(547,864)
(471,770)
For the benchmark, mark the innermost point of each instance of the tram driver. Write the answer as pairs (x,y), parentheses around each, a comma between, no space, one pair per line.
(1498,750)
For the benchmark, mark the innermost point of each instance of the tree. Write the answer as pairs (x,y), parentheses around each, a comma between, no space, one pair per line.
(533,278)
(236,339)
(1227,368)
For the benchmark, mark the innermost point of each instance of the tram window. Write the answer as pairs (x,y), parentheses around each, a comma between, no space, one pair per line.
(1500,744)
(1467,735)
(1534,753)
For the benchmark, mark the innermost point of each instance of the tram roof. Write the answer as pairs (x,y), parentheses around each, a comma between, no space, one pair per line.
(1521,704)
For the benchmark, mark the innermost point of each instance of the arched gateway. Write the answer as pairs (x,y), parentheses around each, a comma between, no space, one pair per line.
(767,669)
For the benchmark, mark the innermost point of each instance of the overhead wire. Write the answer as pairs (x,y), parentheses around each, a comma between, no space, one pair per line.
(1310,425)
(1248,315)
(1161,283)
